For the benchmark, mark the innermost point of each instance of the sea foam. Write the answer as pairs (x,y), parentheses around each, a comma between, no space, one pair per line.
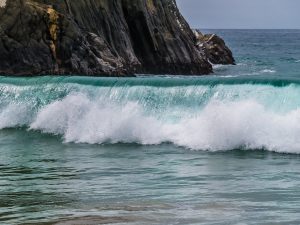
(219,126)
(199,117)
(268,71)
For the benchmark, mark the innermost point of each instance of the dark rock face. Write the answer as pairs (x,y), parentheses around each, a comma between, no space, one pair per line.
(162,39)
(214,48)
(97,37)
(37,39)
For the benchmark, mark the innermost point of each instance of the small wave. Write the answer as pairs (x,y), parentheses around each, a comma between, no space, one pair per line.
(227,76)
(297,61)
(221,66)
(268,71)
(218,66)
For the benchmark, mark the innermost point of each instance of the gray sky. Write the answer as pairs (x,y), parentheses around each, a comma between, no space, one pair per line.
(260,14)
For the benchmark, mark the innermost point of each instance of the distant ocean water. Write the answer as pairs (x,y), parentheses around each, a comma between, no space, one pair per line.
(217,149)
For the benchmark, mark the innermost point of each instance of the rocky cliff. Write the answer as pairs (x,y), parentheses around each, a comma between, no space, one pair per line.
(97,37)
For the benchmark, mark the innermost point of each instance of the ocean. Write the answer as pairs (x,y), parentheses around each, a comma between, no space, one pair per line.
(216,149)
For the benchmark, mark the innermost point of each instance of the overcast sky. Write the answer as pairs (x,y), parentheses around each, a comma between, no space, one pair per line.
(260,14)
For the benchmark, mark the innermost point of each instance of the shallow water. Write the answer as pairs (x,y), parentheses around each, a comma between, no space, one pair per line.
(221,149)
(44,180)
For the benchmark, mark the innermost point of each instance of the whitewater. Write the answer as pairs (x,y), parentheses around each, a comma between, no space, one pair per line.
(210,114)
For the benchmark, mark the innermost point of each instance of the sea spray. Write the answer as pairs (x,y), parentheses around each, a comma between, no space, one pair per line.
(79,119)
(195,113)
(219,126)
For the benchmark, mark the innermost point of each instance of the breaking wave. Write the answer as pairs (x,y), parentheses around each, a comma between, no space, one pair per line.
(195,113)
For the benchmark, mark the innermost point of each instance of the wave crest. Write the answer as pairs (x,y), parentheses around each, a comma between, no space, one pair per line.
(215,117)
(82,120)
(219,126)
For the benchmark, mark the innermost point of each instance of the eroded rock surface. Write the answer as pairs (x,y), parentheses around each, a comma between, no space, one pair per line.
(97,37)
(213,48)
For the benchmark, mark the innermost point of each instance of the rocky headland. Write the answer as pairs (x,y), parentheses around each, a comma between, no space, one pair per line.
(104,38)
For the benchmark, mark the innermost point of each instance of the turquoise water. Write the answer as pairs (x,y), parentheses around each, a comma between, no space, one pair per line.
(218,149)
